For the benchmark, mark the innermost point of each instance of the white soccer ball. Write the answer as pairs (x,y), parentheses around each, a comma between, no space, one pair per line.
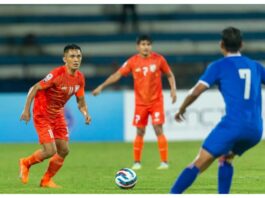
(126,178)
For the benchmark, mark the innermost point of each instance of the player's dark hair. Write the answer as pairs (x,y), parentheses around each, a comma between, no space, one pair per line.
(71,47)
(232,39)
(143,37)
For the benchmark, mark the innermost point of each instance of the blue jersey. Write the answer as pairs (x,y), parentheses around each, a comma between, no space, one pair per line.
(239,81)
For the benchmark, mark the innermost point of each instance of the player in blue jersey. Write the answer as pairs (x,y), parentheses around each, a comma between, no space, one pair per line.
(239,80)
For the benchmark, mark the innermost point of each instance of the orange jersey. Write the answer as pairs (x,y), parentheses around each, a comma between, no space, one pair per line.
(58,86)
(147,77)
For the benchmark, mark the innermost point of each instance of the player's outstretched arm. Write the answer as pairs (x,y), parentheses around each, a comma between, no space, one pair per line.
(194,93)
(172,84)
(83,108)
(110,80)
(31,94)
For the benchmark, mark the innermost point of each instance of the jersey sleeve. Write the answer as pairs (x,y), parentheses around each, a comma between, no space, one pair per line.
(164,66)
(262,73)
(81,90)
(48,81)
(211,75)
(126,68)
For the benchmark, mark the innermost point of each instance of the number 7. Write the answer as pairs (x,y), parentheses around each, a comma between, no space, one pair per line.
(246,74)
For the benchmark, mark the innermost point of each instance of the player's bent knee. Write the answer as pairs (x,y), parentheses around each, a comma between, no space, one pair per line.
(158,129)
(63,152)
(227,158)
(49,153)
(203,160)
(141,131)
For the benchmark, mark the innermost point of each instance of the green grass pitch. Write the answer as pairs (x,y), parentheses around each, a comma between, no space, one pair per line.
(90,168)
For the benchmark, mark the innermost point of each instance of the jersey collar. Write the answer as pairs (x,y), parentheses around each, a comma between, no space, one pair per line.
(233,54)
(65,69)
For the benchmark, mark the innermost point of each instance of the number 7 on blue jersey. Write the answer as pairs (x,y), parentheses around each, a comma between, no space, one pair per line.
(246,74)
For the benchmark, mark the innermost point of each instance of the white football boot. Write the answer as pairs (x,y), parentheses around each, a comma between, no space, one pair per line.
(136,166)
(163,166)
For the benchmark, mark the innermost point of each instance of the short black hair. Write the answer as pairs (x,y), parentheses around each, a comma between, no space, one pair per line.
(143,37)
(71,47)
(232,39)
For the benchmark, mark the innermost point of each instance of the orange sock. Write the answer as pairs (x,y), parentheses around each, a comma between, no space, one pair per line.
(35,158)
(56,162)
(138,147)
(163,147)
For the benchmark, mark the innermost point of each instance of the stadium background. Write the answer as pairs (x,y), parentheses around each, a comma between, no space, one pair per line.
(32,38)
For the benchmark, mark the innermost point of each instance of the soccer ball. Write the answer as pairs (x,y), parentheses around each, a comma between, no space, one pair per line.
(126,178)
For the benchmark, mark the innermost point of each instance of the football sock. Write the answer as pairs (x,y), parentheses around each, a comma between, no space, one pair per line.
(185,179)
(35,158)
(163,147)
(225,175)
(56,162)
(138,147)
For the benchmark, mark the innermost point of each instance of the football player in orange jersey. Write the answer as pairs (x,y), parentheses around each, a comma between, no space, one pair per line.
(147,68)
(50,95)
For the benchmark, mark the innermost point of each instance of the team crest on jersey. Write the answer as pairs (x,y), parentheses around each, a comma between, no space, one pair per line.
(48,77)
(152,68)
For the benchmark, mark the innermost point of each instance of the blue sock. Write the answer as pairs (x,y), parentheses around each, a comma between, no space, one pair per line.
(225,175)
(185,179)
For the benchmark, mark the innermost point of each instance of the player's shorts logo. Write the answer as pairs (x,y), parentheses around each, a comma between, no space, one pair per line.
(77,88)
(50,133)
(67,134)
(157,114)
(137,118)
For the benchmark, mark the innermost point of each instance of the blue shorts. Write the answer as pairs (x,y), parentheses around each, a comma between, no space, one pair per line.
(226,137)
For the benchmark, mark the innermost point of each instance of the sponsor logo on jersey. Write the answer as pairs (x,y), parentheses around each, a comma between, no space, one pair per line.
(71,89)
(138,69)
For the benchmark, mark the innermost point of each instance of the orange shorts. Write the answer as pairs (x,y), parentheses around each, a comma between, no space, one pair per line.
(50,129)
(142,112)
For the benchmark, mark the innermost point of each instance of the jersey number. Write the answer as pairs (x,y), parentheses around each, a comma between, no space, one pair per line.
(246,75)
(151,68)
(145,70)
